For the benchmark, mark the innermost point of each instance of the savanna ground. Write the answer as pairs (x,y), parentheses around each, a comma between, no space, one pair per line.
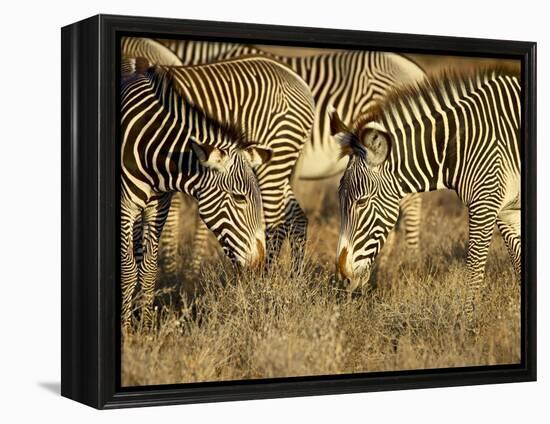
(227,327)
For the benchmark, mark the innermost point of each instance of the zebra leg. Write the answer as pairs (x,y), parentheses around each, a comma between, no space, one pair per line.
(274,204)
(200,245)
(274,237)
(509,225)
(297,222)
(388,248)
(169,246)
(128,264)
(481,222)
(154,217)
(138,239)
(411,207)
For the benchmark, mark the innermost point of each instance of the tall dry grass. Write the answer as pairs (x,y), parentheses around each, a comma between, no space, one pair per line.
(228,327)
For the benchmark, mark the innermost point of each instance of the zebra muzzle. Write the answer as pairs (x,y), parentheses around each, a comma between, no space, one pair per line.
(343,266)
(346,272)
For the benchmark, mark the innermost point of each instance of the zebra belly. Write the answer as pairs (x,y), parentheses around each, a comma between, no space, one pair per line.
(315,164)
(512,193)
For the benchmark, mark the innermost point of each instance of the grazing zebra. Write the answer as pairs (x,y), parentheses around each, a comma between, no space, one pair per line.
(275,109)
(169,145)
(458,132)
(349,81)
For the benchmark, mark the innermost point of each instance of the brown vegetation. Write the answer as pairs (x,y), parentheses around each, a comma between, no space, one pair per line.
(228,327)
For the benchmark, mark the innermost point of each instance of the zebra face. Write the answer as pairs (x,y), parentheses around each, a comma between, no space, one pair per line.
(369,203)
(230,203)
(368,212)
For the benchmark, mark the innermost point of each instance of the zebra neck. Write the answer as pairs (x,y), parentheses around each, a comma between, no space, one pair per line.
(422,150)
(179,124)
(163,87)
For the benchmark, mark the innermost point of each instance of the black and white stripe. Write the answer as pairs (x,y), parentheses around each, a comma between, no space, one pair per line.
(192,52)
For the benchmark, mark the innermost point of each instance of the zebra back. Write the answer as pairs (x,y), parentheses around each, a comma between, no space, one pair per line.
(152,50)
(191,52)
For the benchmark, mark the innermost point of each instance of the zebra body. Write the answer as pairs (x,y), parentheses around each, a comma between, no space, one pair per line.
(460,132)
(170,145)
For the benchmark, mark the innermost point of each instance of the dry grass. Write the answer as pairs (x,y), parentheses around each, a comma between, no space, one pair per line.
(227,327)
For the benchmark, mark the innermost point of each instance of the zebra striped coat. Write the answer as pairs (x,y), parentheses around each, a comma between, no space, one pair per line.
(458,132)
(349,81)
(171,144)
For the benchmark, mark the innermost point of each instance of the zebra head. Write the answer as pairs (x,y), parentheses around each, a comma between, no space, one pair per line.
(229,199)
(369,201)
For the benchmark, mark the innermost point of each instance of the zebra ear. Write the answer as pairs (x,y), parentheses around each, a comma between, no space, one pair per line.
(257,155)
(376,141)
(341,132)
(336,124)
(209,156)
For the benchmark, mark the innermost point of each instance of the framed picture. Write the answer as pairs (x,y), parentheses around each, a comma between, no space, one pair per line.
(254,211)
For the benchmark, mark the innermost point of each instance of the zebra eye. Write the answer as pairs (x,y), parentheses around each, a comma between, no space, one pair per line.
(362,201)
(239,198)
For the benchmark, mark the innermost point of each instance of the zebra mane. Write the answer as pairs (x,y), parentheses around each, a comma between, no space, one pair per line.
(446,80)
(164,78)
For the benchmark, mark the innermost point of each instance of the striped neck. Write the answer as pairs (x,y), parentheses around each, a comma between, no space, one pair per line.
(165,149)
(162,85)
(420,148)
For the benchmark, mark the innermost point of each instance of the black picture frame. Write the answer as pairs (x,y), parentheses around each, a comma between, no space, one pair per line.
(89,178)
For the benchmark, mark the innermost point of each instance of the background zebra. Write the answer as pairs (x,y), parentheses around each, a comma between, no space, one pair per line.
(349,81)
(151,50)
(170,145)
(459,132)
(200,52)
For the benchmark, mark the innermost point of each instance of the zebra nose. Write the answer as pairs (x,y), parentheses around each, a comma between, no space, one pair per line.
(343,265)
